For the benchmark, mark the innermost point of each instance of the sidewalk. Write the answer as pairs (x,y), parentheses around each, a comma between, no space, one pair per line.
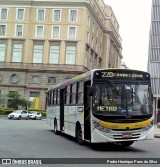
(156,132)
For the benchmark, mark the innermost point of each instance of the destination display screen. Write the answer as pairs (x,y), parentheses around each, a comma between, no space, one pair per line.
(121,75)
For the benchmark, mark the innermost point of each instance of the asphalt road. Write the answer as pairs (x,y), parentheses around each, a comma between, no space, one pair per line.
(35,139)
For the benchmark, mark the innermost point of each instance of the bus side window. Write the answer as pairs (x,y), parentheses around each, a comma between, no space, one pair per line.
(53,97)
(80,92)
(73,93)
(48,96)
(58,94)
(68,94)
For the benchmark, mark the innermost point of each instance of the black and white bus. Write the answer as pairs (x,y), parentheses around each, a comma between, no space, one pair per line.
(103,105)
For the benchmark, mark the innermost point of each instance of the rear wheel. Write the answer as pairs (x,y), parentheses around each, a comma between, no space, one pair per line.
(55,127)
(79,135)
(126,143)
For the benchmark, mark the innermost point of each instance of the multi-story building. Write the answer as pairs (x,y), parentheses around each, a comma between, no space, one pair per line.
(154,55)
(43,42)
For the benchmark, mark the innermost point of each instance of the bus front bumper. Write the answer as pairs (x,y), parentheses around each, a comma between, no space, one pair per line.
(118,136)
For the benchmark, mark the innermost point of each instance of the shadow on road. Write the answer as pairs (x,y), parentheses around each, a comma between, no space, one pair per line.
(102,146)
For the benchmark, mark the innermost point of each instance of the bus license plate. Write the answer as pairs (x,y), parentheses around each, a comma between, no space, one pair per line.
(126,135)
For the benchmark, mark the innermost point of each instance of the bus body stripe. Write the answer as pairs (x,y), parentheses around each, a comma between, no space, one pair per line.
(125,125)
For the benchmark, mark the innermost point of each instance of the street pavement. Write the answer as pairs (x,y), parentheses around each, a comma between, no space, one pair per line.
(156,128)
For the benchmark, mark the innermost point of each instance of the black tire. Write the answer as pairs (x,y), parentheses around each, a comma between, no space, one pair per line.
(55,127)
(19,118)
(79,135)
(35,118)
(126,143)
(27,118)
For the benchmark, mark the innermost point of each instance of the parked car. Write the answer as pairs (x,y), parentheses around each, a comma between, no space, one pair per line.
(19,114)
(35,115)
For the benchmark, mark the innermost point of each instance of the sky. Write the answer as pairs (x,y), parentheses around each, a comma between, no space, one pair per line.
(134,18)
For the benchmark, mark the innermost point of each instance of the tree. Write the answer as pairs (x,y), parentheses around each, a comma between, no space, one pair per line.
(17,100)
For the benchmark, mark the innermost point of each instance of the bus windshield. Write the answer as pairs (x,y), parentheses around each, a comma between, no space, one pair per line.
(122,99)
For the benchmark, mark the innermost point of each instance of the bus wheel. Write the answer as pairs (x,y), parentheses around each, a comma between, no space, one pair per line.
(79,134)
(55,127)
(126,143)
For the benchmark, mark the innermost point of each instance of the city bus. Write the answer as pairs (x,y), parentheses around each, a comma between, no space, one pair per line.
(103,105)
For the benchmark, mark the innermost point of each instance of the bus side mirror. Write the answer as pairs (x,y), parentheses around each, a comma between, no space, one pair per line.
(91,89)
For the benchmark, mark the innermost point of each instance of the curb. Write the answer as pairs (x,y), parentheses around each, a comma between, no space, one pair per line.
(157,136)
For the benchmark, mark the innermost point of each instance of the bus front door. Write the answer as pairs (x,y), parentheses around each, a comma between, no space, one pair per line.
(87,101)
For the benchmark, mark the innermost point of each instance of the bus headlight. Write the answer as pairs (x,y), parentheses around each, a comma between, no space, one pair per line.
(100,128)
(149,126)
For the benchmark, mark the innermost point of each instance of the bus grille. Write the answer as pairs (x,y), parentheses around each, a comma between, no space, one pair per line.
(119,136)
(125,129)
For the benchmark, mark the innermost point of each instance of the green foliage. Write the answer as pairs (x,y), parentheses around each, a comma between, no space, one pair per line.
(6,111)
(17,100)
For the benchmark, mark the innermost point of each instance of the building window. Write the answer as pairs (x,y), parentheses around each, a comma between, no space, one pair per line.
(19,30)
(35,80)
(97,32)
(93,27)
(39,31)
(70,54)
(88,37)
(72,33)
(89,20)
(51,80)
(56,15)
(92,42)
(3,30)
(73,15)
(54,53)
(38,53)
(34,94)
(40,14)
(17,52)
(14,78)
(55,32)
(2,50)
(96,46)
(20,14)
(101,37)
(4,13)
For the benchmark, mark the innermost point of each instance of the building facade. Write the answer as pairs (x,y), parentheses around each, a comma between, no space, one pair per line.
(154,56)
(44,42)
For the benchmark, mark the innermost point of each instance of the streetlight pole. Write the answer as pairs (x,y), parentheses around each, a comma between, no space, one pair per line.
(29,84)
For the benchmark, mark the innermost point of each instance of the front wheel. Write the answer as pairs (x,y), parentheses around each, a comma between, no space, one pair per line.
(19,117)
(79,135)
(126,143)
(27,118)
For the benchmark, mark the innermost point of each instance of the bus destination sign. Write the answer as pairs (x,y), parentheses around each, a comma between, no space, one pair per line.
(121,74)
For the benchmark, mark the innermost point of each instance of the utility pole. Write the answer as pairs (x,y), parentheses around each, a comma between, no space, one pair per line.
(29,84)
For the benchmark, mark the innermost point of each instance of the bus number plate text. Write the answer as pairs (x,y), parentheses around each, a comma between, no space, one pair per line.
(126,135)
